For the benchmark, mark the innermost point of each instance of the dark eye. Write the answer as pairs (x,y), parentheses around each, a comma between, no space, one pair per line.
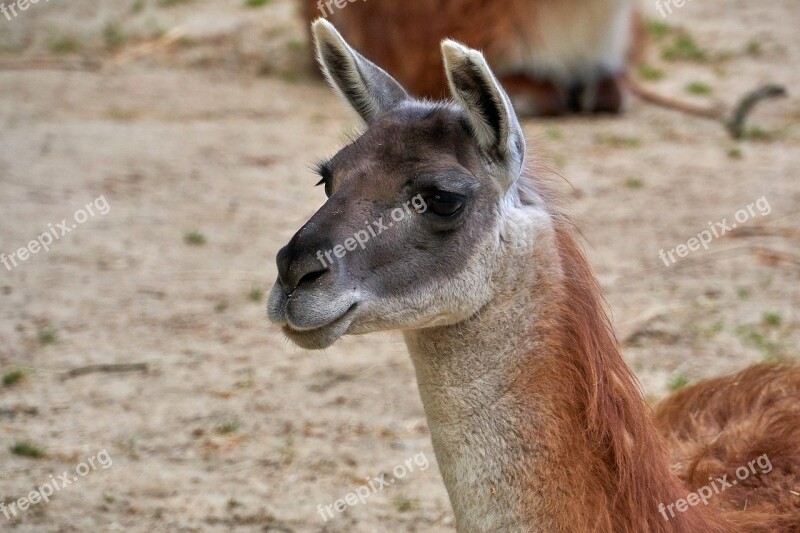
(444,204)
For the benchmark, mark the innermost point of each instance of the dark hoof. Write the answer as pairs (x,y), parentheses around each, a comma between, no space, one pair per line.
(608,96)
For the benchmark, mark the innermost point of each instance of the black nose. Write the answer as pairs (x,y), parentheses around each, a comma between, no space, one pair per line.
(300,265)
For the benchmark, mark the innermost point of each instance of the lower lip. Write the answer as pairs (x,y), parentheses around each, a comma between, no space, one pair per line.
(288,327)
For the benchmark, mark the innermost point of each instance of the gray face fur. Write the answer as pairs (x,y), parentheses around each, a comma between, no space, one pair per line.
(413,232)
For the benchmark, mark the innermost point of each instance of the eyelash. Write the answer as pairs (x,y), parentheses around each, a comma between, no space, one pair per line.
(325,173)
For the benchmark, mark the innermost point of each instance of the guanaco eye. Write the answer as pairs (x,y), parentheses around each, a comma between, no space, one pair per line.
(445,204)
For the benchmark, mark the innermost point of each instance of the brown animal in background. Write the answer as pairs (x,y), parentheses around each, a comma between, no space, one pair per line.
(537,422)
(552,56)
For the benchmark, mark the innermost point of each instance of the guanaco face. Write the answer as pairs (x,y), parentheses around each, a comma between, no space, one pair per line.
(413,231)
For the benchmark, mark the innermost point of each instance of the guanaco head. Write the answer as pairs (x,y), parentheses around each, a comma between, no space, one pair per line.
(420,208)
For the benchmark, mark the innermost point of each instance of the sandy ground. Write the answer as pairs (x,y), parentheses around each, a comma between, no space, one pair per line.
(211,138)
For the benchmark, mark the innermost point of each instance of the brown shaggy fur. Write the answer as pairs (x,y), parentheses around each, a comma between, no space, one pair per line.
(712,428)
(723,424)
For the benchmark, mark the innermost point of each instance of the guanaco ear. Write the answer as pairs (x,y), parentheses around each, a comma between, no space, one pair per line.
(488,107)
(365,86)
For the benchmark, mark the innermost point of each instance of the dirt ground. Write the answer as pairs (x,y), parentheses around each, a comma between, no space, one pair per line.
(198,133)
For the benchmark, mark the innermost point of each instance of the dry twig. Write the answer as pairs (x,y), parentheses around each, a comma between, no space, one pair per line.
(105,368)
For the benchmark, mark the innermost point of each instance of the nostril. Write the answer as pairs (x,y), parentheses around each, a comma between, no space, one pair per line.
(311,277)
(298,266)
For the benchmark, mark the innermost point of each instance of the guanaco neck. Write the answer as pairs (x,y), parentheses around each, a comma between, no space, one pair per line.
(536,421)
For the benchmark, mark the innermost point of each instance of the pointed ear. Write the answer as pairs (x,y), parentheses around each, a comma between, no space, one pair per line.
(365,86)
(488,107)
